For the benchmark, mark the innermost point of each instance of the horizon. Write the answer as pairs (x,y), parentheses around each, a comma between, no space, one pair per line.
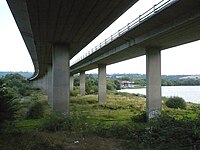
(107,73)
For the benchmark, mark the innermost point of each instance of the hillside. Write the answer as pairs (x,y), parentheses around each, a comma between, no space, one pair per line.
(25,74)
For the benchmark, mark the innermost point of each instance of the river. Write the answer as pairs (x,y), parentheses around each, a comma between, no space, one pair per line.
(188,93)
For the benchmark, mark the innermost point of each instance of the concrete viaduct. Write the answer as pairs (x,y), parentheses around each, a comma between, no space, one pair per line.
(169,23)
(54,32)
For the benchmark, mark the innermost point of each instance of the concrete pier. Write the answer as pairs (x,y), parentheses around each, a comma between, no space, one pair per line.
(82,83)
(153,89)
(102,83)
(71,83)
(50,86)
(61,83)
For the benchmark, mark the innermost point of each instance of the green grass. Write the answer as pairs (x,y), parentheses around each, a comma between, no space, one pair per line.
(28,125)
(116,109)
(120,120)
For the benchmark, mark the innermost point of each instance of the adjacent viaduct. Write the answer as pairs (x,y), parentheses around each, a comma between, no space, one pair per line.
(55,31)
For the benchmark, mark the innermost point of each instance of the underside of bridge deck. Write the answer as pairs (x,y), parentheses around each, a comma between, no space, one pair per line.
(43,23)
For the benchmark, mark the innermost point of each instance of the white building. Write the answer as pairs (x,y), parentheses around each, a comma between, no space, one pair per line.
(127,84)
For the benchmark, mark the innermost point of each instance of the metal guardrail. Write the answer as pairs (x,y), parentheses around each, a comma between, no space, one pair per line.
(146,15)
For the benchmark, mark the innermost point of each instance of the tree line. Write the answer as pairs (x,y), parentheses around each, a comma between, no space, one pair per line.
(12,88)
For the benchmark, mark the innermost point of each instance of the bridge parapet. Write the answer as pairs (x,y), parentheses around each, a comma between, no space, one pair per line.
(140,19)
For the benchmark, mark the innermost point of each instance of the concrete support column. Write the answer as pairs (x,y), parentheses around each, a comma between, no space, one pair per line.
(50,86)
(45,84)
(35,83)
(82,83)
(61,73)
(40,83)
(71,83)
(102,83)
(153,89)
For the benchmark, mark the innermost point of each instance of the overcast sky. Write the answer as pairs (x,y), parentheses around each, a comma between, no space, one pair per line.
(15,57)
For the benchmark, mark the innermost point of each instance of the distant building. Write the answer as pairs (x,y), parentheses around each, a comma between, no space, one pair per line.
(196,77)
(127,84)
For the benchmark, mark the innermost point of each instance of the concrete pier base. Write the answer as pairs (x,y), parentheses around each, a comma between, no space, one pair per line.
(102,83)
(153,89)
(82,83)
(61,83)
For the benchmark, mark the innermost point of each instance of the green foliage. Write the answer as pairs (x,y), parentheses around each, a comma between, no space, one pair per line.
(168,133)
(76,80)
(91,85)
(55,122)
(140,81)
(125,78)
(35,110)
(8,107)
(167,82)
(176,102)
(17,85)
(111,85)
(75,91)
(118,85)
(60,122)
(141,117)
(180,82)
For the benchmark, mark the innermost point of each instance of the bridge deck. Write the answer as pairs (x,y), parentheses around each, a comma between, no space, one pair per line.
(176,25)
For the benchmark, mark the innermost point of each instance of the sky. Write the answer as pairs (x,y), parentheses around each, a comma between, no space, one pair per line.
(14,56)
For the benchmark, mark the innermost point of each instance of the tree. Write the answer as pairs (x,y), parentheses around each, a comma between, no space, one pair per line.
(8,106)
(16,85)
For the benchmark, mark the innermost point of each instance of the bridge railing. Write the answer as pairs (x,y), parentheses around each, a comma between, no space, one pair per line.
(143,17)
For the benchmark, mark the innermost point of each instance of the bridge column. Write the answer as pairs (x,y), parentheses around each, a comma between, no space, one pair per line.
(71,83)
(50,86)
(38,83)
(61,73)
(35,83)
(45,83)
(102,83)
(82,83)
(153,89)
(42,84)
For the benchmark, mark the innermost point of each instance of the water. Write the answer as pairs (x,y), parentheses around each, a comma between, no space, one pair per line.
(188,93)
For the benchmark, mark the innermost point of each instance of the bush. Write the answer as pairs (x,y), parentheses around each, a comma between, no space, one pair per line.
(55,122)
(8,107)
(35,111)
(176,102)
(166,133)
(17,85)
(61,122)
(142,117)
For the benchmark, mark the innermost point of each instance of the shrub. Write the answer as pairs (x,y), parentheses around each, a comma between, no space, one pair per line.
(35,111)
(55,122)
(61,122)
(75,92)
(176,102)
(8,107)
(142,117)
